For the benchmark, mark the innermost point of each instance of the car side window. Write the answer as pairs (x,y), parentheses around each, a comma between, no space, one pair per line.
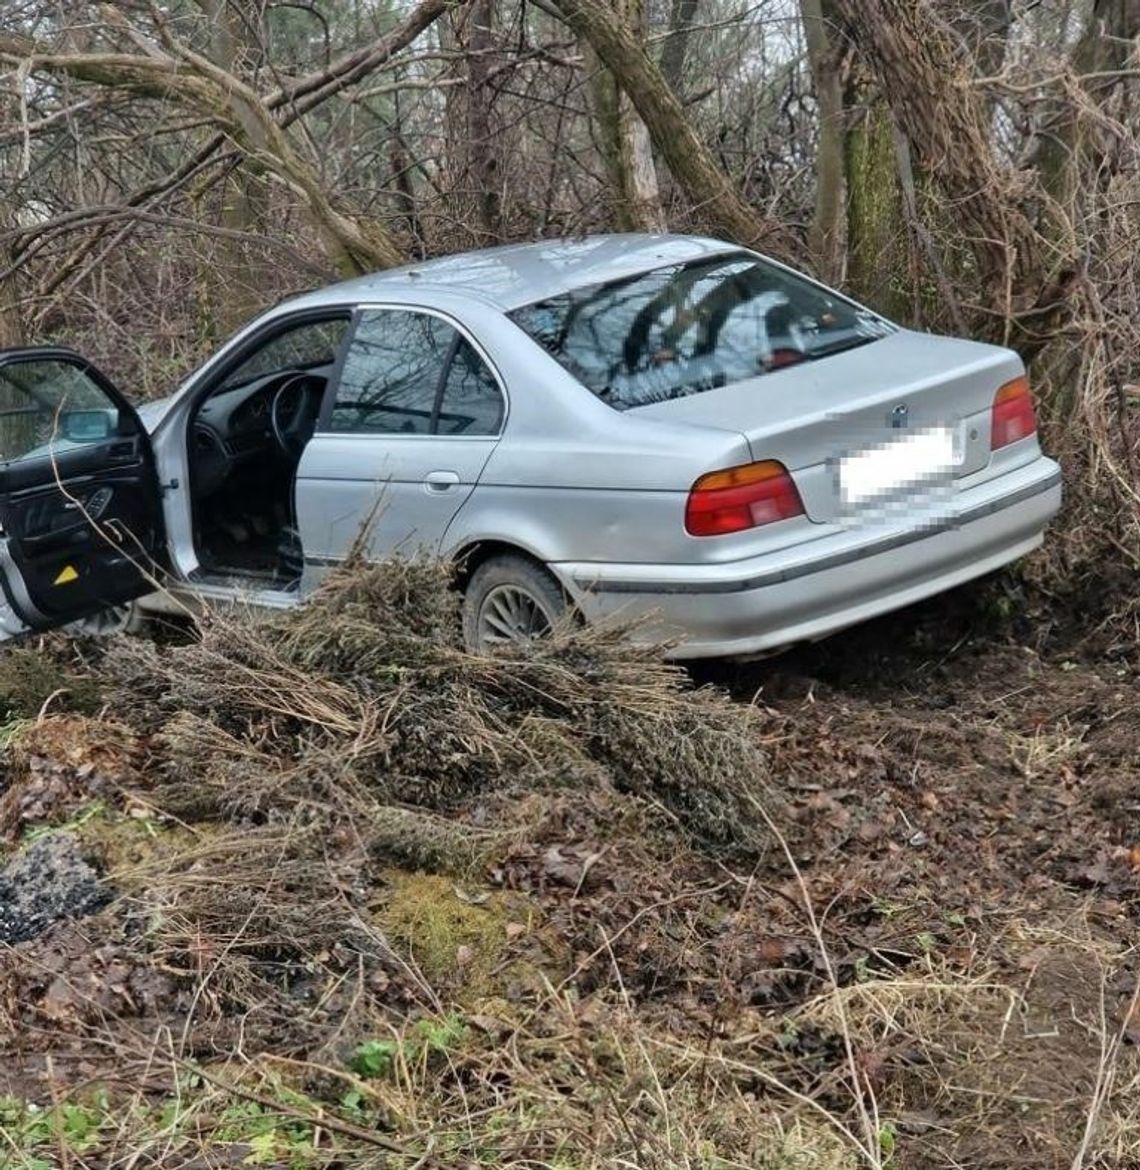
(305,346)
(471,403)
(412,373)
(49,406)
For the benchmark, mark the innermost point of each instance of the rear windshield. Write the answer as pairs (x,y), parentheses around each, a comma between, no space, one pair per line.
(687,328)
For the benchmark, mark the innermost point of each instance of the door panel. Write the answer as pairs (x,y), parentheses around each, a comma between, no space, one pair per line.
(405,432)
(407,490)
(79,499)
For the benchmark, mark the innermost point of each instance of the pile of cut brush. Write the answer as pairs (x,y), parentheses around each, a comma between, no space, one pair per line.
(365,697)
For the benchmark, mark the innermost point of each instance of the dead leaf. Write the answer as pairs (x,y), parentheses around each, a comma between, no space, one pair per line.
(563,870)
(1096,872)
(771,951)
(470,899)
(571,868)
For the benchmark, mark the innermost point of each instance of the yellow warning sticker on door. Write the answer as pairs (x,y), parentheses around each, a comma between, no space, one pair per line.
(66,575)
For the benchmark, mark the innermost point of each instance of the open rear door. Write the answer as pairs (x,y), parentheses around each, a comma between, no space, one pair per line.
(80,508)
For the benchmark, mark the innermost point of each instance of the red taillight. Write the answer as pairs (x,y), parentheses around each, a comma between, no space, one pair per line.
(740,498)
(1013,416)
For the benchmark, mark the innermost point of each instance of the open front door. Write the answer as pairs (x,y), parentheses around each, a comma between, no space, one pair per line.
(80,509)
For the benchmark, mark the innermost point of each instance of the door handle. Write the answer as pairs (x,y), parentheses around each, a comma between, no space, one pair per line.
(441,481)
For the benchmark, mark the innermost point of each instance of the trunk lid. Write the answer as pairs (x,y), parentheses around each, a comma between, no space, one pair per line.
(899,388)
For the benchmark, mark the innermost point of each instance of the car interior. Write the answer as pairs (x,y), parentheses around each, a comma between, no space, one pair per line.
(246,440)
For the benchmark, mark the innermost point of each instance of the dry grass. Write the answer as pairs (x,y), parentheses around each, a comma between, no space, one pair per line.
(1045,751)
(1017,1066)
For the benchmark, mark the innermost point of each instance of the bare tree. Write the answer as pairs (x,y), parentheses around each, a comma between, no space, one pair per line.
(689,160)
(169,71)
(232,280)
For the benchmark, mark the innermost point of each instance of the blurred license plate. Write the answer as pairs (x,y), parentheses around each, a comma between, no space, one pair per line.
(909,461)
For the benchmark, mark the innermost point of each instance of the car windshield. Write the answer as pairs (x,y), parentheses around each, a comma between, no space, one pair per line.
(687,328)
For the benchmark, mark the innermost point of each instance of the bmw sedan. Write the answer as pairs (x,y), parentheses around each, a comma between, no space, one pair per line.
(666,428)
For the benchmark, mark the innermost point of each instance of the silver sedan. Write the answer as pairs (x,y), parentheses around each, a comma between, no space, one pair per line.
(666,428)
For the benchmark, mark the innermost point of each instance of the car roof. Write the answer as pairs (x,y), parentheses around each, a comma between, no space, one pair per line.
(519,274)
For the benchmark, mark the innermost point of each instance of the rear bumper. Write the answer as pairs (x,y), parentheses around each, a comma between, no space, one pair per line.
(811,590)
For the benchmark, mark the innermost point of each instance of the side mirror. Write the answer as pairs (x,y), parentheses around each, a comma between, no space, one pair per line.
(87,426)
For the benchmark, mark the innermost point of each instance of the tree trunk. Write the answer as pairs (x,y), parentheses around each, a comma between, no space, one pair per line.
(400,164)
(644,192)
(675,52)
(11,318)
(624,142)
(878,246)
(692,165)
(605,125)
(236,279)
(828,222)
(455,167)
(481,145)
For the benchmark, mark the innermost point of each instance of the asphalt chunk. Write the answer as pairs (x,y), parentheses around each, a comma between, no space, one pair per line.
(45,883)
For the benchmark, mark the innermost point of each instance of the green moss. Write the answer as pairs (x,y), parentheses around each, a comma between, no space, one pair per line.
(462,939)
(120,844)
(451,938)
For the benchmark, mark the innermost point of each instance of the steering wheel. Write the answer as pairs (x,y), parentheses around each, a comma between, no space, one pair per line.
(293,412)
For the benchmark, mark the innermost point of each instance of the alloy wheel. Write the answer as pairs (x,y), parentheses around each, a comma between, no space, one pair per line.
(510,613)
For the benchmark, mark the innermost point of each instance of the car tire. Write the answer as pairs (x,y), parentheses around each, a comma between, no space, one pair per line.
(118,619)
(510,599)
